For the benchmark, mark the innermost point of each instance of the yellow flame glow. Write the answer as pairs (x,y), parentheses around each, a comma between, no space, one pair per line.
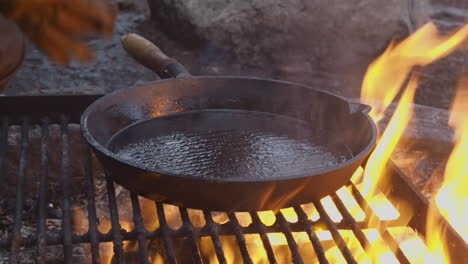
(411,244)
(351,204)
(452,198)
(386,75)
(383,82)
(435,239)
(268,218)
(377,161)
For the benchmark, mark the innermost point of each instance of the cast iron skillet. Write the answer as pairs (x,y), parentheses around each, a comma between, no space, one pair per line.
(225,143)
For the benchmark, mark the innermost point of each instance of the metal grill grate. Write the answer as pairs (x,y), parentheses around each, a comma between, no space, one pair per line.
(39,115)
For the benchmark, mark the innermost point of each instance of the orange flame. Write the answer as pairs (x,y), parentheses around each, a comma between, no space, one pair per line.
(388,142)
(435,239)
(386,75)
(413,246)
(452,198)
(383,82)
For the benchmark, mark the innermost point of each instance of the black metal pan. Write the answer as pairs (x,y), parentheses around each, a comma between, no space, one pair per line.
(225,143)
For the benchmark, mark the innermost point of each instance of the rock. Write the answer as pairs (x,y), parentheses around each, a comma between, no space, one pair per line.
(129,5)
(304,40)
(441,79)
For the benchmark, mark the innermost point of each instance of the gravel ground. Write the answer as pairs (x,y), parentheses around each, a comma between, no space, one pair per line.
(113,69)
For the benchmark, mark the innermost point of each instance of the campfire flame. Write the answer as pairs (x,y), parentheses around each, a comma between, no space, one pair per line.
(384,80)
(386,75)
(388,142)
(452,198)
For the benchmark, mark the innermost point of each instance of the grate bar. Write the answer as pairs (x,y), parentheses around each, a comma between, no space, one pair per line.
(361,202)
(65,171)
(41,225)
(335,234)
(223,229)
(210,224)
(311,233)
(289,238)
(140,229)
(92,218)
(358,196)
(168,246)
(365,243)
(116,228)
(457,248)
(240,238)
(73,106)
(382,230)
(192,233)
(16,238)
(394,246)
(266,242)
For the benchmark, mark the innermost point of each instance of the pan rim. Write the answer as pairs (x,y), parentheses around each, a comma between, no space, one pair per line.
(102,149)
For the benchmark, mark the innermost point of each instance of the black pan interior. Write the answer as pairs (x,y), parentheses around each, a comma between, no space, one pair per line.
(228,144)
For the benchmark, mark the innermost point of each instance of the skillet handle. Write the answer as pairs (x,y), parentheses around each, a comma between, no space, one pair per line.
(149,55)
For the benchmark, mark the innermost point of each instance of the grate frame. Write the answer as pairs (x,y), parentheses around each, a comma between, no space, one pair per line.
(26,111)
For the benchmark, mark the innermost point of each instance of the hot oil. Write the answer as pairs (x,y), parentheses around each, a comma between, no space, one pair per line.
(228,144)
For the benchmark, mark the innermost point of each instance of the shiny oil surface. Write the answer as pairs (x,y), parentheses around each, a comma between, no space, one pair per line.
(220,144)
